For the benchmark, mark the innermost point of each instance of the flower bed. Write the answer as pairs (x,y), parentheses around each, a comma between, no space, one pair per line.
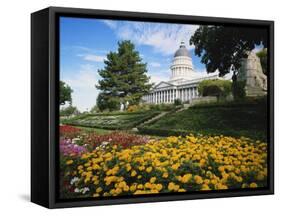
(69,131)
(173,164)
(115,138)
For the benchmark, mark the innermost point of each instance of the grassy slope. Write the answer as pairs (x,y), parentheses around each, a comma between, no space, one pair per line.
(120,121)
(246,119)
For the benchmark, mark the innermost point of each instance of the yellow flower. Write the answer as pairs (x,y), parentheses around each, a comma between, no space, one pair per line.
(236,157)
(99,189)
(149,169)
(253,185)
(205,187)
(192,139)
(133,188)
(152,180)
(159,187)
(140,192)
(69,162)
(198,179)
(221,169)
(148,185)
(221,186)
(128,167)
(186,178)
(96,195)
(133,173)
(173,187)
(165,175)
(175,166)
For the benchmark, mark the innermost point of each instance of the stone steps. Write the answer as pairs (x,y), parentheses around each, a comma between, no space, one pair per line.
(150,120)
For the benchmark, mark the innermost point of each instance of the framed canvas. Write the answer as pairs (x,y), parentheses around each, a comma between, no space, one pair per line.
(138,107)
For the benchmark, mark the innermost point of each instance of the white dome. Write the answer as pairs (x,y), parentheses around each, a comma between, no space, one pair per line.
(182,67)
(182,51)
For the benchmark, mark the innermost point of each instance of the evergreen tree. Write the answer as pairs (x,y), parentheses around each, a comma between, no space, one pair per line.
(124,78)
(65,93)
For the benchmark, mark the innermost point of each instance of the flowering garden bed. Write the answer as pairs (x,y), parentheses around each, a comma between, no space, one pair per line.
(115,121)
(126,164)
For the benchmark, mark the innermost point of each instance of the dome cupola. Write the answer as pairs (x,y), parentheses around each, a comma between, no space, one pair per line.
(182,67)
(182,51)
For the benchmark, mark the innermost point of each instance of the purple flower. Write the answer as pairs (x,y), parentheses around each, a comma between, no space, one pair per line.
(67,148)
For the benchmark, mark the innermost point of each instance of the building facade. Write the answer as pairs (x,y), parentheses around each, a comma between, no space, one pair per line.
(183,82)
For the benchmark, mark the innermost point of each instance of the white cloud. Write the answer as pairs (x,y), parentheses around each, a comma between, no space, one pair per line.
(156,77)
(83,84)
(112,24)
(92,57)
(164,38)
(155,64)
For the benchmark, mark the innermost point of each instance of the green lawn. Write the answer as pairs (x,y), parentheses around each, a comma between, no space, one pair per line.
(235,119)
(96,130)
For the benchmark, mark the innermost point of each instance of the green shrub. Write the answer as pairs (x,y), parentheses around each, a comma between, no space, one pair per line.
(70,110)
(218,88)
(177,102)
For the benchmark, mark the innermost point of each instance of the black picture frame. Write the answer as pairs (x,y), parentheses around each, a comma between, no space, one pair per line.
(45,104)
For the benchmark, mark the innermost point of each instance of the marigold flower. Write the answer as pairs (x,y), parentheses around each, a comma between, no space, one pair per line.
(198,179)
(149,169)
(69,162)
(253,185)
(165,175)
(133,173)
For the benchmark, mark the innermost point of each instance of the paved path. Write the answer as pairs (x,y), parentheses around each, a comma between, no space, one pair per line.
(158,117)
(150,120)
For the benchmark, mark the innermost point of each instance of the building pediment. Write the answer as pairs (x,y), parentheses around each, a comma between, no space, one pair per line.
(163,85)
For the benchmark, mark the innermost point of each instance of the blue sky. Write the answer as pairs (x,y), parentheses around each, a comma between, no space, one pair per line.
(85,42)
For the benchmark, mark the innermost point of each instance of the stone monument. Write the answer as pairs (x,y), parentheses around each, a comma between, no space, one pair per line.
(251,72)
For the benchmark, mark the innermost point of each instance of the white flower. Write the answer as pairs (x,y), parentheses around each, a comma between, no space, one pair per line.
(75,140)
(84,190)
(75,179)
(104,143)
(77,190)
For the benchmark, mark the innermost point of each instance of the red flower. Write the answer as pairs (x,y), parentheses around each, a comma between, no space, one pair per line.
(69,131)
(116,138)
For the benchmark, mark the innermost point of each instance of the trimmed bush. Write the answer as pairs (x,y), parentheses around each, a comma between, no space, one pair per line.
(218,88)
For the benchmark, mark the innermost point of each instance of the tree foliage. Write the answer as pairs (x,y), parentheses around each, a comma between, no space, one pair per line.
(69,110)
(124,78)
(222,47)
(218,88)
(65,93)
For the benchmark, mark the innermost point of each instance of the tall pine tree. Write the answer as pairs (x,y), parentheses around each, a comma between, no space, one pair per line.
(124,78)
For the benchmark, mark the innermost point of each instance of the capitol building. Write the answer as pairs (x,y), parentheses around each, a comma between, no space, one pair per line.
(183,82)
